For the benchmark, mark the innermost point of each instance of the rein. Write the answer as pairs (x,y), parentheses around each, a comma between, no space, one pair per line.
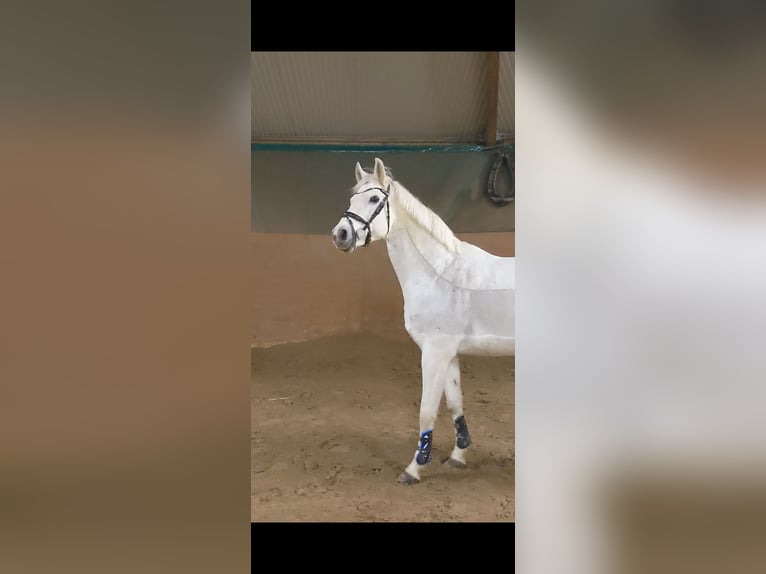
(349,215)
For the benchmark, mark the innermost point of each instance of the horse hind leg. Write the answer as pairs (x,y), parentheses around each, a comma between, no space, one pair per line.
(435,364)
(454,397)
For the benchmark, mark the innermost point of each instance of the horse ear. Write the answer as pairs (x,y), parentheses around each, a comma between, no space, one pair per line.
(380,171)
(360,173)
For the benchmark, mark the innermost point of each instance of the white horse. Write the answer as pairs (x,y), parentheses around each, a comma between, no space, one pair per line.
(458,299)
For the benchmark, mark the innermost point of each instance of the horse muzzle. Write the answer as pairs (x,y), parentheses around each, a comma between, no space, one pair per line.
(344,236)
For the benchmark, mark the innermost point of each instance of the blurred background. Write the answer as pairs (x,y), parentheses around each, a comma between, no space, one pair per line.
(642,287)
(124,219)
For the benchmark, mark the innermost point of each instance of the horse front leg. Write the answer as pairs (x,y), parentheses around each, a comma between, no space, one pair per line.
(454,396)
(435,363)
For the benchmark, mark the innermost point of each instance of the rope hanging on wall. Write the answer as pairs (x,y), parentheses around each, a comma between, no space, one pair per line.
(508,160)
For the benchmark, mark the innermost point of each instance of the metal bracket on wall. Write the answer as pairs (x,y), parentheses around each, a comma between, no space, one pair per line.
(508,160)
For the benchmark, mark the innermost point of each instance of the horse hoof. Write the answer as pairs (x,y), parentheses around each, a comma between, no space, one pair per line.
(406,478)
(452,463)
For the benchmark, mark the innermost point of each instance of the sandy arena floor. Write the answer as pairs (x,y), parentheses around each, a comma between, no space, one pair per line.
(335,420)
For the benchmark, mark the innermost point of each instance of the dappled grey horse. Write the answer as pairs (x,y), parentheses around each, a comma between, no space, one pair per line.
(458,299)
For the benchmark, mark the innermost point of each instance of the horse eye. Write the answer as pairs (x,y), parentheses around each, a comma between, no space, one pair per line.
(374,199)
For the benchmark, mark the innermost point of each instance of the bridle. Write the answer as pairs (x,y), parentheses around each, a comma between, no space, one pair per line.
(349,215)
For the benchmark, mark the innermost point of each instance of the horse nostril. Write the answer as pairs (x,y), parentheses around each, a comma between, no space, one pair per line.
(343,234)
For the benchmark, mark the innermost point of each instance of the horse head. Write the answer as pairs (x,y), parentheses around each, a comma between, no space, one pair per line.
(368,217)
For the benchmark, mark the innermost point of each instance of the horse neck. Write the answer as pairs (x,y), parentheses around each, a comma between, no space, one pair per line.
(414,251)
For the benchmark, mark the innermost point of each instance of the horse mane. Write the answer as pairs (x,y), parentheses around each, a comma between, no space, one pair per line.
(424,217)
(420,214)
